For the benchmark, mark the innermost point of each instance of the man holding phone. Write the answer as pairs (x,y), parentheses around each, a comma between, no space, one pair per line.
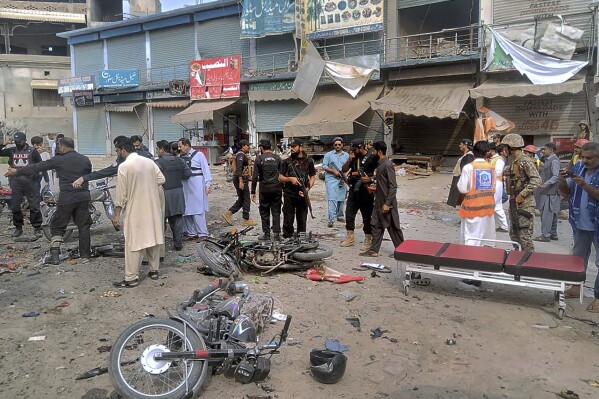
(581,183)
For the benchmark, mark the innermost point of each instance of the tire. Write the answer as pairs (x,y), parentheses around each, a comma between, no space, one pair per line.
(135,374)
(314,254)
(220,264)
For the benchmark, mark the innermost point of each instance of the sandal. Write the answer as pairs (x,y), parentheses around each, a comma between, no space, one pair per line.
(126,284)
(422,281)
(153,274)
(594,306)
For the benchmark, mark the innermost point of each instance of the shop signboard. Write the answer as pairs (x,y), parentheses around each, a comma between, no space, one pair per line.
(177,87)
(83,98)
(272,86)
(267,17)
(318,19)
(215,78)
(68,85)
(118,78)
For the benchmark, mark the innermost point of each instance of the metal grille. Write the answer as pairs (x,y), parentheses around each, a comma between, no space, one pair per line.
(164,129)
(91,130)
(212,42)
(89,58)
(173,46)
(127,52)
(272,115)
(275,53)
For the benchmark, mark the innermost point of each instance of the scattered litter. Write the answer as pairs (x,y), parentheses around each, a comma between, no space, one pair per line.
(111,294)
(460,285)
(266,388)
(63,304)
(61,291)
(348,295)
(279,316)
(375,266)
(377,333)
(92,373)
(323,273)
(451,341)
(37,338)
(185,259)
(30,314)
(64,255)
(104,348)
(146,314)
(568,394)
(402,172)
(60,368)
(413,211)
(393,340)
(541,326)
(354,321)
(335,345)
(593,383)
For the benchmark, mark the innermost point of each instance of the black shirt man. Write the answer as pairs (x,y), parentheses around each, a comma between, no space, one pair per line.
(21,156)
(298,167)
(266,171)
(72,202)
(241,182)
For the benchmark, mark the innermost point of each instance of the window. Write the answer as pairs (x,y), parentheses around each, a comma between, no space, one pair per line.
(47,98)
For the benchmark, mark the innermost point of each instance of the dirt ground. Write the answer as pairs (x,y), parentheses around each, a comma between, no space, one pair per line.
(499,353)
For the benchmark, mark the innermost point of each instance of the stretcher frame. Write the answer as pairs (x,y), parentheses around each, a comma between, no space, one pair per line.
(557,286)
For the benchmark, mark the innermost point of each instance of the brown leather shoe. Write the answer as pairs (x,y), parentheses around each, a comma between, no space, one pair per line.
(248,222)
(573,292)
(594,306)
(541,239)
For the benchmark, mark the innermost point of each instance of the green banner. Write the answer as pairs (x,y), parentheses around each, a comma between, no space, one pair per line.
(267,17)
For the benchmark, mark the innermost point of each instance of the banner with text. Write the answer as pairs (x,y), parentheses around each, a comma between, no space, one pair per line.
(68,85)
(267,17)
(214,78)
(118,78)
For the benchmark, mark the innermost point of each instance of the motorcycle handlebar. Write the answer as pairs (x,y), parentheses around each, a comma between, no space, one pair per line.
(246,230)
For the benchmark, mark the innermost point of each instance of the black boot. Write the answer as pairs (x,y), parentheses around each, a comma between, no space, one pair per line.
(264,237)
(18,232)
(55,256)
(276,237)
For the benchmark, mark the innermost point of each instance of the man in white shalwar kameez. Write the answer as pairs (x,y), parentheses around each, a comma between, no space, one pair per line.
(195,190)
(477,210)
(498,163)
(137,193)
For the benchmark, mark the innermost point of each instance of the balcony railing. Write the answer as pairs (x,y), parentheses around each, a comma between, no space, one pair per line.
(269,64)
(433,45)
(76,8)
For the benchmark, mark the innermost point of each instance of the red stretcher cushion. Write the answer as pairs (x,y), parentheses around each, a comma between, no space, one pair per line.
(470,257)
(548,266)
(418,251)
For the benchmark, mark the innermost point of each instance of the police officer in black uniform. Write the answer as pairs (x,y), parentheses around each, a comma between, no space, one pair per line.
(299,166)
(266,171)
(361,163)
(175,170)
(20,156)
(241,183)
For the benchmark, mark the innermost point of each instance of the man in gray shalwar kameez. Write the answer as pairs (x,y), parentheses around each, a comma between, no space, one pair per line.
(385,214)
(196,190)
(548,195)
(175,170)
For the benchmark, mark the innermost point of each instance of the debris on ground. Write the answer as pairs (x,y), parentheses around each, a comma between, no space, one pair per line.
(335,345)
(593,383)
(349,296)
(568,394)
(111,294)
(354,321)
(37,338)
(323,273)
(30,314)
(92,373)
(451,341)
(377,333)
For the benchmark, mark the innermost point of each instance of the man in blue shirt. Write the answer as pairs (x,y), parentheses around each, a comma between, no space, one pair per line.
(336,189)
(582,185)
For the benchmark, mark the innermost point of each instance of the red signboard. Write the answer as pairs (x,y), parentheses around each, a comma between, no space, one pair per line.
(215,78)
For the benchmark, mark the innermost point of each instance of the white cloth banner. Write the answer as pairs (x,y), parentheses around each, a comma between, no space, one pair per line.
(351,78)
(540,69)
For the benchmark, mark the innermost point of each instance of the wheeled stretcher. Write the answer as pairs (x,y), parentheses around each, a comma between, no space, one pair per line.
(519,268)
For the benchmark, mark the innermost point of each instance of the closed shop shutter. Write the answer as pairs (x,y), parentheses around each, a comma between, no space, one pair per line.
(544,115)
(129,123)
(127,52)
(91,130)
(430,136)
(275,52)
(272,115)
(416,3)
(171,61)
(164,129)
(212,43)
(355,45)
(89,58)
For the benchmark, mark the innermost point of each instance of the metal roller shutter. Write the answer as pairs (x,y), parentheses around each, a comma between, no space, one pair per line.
(91,130)
(171,50)
(272,115)
(275,51)
(164,129)
(544,115)
(129,123)
(416,3)
(127,52)
(212,43)
(89,58)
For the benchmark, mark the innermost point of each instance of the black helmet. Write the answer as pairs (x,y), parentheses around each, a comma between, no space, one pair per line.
(327,366)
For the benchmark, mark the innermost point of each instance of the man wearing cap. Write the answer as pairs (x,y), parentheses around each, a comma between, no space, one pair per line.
(548,199)
(20,156)
(266,171)
(576,154)
(360,163)
(242,175)
(583,132)
(336,189)
(455,197)
(296,171)
(521,179)
(531,152)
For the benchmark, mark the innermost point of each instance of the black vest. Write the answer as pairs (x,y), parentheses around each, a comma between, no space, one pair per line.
(269,168)
(22,158)
(172,169)
(195,171)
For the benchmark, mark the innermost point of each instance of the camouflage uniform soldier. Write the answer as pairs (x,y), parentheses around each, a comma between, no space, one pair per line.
(521,179)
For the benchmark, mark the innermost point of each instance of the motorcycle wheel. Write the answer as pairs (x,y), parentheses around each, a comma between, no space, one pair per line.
(134,372)
(67,234)
(314,254)
(220,264)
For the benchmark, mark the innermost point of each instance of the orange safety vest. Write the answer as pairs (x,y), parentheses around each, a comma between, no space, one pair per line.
(480,200)
(493,163)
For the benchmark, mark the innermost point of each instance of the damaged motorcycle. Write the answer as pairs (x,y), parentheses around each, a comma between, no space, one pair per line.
(214,332)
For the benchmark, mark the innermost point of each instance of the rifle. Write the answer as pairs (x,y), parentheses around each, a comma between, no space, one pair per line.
(342,177)
(303,189)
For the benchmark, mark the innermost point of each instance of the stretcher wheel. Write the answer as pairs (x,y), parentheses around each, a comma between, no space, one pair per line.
(560,314)
(406,290)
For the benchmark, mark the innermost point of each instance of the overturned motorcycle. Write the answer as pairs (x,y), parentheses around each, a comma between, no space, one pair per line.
(214,332)
(229,255)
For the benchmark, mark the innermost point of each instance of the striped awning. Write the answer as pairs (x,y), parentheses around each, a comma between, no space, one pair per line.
(44,84)
(169,104)
(122,107)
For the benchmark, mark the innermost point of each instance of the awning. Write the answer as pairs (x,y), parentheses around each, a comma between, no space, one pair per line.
(169,104)
(42,16)
(516,88)
(201,111)
(271,95)
(332,112)
(44,84)
(121,107)
(435,100)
